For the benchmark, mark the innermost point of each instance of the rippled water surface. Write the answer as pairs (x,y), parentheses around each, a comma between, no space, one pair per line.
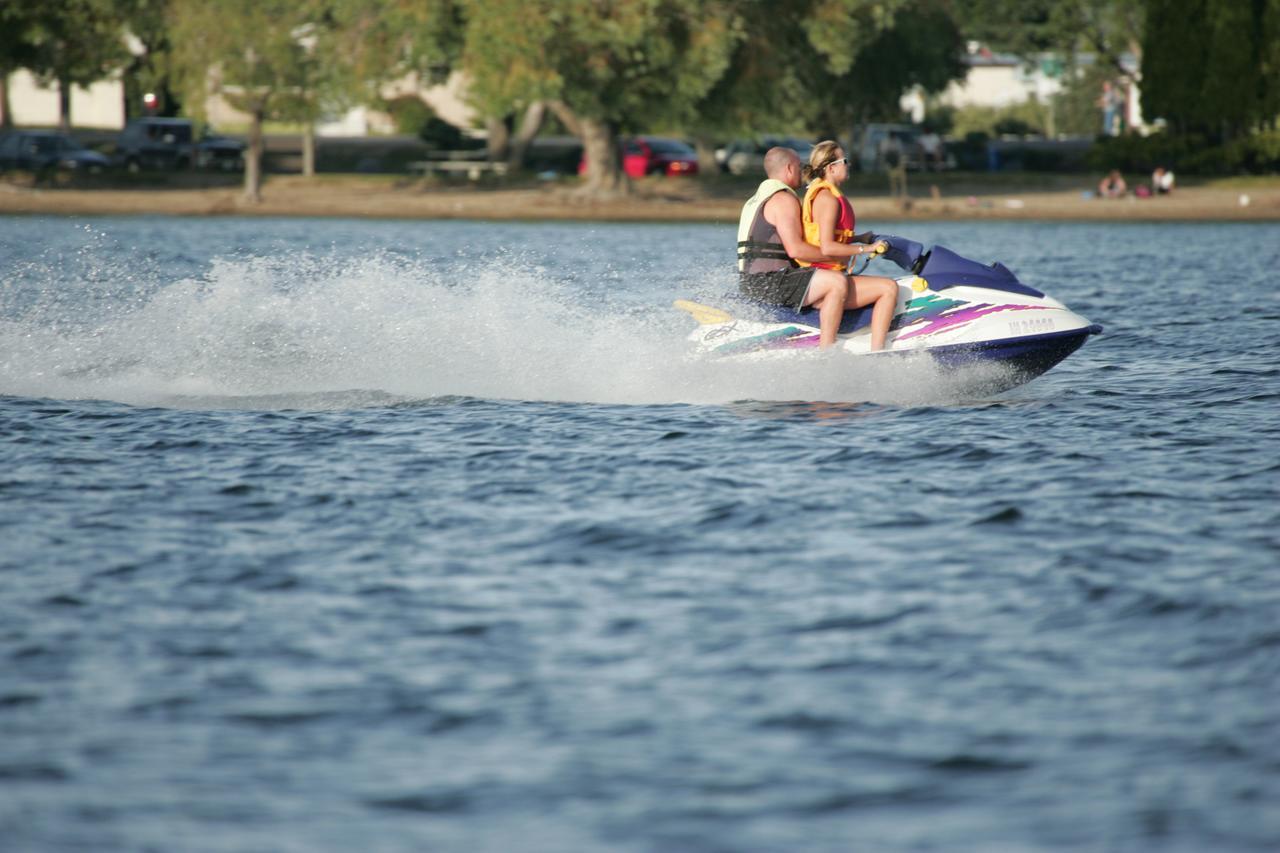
(332,535)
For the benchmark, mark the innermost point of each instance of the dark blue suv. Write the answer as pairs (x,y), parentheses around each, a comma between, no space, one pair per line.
(156,143)
(44,152)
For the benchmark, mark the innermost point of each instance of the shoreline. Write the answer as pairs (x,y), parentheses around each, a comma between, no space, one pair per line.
(339,196)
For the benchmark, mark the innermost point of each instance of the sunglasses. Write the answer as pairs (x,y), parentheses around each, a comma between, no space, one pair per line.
(844,160)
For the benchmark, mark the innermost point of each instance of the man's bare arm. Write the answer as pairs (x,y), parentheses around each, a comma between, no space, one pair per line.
(783,213)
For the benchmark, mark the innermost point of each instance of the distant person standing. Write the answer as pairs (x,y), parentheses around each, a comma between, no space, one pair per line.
(1111,101)
(894,161)
(931,147)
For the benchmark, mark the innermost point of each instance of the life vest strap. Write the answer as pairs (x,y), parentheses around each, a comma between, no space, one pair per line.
(753,249)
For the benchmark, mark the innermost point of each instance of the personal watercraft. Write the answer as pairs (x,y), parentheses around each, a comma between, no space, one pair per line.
(961,312)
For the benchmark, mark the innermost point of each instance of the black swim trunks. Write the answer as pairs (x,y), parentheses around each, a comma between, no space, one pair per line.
(785,287)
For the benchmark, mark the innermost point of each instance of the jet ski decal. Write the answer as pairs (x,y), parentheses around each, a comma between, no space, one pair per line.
(935,315)
(791,337)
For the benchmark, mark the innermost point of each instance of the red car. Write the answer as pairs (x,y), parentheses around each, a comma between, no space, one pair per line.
(655,155)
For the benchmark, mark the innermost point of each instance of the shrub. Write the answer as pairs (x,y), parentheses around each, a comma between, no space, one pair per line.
(1133,153)
(1258,153)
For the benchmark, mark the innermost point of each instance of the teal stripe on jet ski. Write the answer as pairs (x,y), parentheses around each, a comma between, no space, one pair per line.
(761,341)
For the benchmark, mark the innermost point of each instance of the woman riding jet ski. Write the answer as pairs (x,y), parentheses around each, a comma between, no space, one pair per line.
(959,311)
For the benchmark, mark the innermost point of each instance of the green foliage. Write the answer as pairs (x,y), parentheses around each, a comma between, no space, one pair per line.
(288,61)
(409,113)
(441,135)
(21,26)
(1104,28)
(414,118)
(148,70)
(1256,154)
(1211,66)
(1189,153)
(921,46)
(826,66)
(245,50)
(370,42)
(1027,118)
(630,63)
(73,42)
(1076,110)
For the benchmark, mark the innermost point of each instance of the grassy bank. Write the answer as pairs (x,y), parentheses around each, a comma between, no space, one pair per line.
(712,198)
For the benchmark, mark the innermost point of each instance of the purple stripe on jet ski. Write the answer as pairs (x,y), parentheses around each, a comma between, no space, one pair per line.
(940,322)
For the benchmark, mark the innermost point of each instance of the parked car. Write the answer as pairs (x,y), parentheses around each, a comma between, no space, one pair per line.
(156,143)
(746,156)
(654,155)
(44,152)
(221,153)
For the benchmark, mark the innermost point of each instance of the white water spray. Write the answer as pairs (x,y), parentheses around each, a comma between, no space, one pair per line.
(307,331)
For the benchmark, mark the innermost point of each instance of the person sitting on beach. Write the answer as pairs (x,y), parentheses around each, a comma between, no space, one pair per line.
(1112,186)
(1162,181)
(829,226)
(771,248)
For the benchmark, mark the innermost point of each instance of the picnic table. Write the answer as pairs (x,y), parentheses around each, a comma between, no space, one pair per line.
(470,163)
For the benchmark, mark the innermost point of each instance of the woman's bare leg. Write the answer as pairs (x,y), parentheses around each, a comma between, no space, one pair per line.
(868,289)
(829,290)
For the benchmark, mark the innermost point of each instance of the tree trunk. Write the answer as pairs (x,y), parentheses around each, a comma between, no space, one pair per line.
(604,175)
(530,124)
(6,117)
(309,150)
(64,106)
(253,158)
(499,142)
(604,165)
(706,149)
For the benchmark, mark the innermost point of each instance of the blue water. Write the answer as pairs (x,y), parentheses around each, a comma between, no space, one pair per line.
(332,535)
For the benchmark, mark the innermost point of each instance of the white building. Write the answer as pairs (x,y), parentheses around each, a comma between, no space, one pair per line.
(998,80)
(33,105)
(102,106)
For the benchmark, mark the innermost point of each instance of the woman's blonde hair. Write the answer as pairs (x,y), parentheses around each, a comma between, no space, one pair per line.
(822,156)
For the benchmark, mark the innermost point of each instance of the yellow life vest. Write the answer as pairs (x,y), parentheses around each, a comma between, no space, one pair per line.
(811,233)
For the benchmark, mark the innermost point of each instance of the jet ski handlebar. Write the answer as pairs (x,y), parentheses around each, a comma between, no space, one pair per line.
(907,254)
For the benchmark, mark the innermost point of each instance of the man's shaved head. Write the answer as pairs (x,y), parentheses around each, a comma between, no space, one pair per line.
(776,161)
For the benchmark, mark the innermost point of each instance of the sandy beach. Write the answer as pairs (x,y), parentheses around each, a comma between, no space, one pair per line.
(656,200)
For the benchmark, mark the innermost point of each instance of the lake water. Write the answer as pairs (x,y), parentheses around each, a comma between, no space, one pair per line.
(332,535)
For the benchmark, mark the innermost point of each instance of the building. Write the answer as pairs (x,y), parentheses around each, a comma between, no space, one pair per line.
(100,106)
(998,80)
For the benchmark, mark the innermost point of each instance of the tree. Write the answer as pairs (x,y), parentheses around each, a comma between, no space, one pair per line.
(19,31)
(1108,29)
(76,43)
(920,46)
(369,43)
(828,66)
(1210,66)
(148,69)
(1269,62)
(604,67)
(248,51)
